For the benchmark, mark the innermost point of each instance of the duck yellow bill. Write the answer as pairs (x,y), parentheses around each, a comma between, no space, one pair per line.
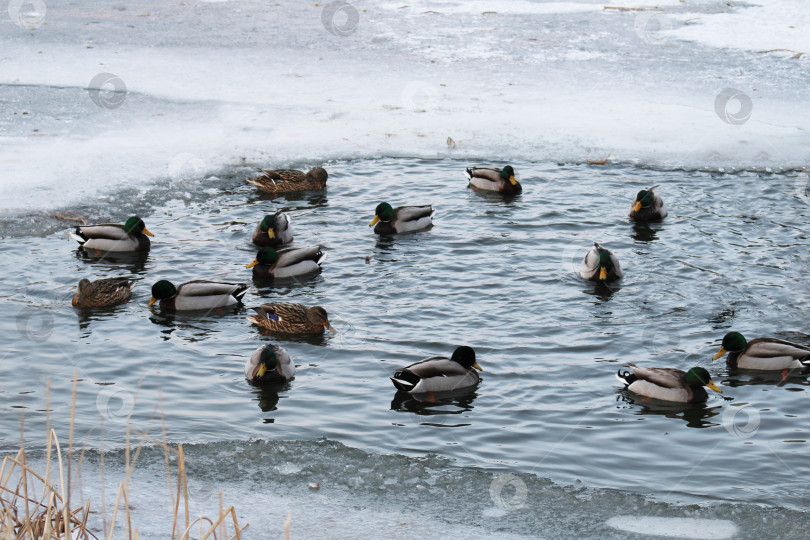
(720,353)
(512,180)
(146,232)
(476,366)
(152,301)
(603,272)
(270,233)
(714,387)
(262,370)
(254,263)
(637,206)
(374,221)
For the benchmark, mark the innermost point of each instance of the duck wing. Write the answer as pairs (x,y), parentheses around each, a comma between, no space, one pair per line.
(107,231)
(291,256)
(772,347)
(286,311)
(617,268)
(589,268)
(211,288)
(487,173)
(436,366)
(666,377)
(412,213)
(283,230)
(283,175)
(111,287)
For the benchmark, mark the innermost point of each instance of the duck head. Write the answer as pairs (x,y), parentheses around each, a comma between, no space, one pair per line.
(697,376)
(136,226)
(383,212)
(162,290)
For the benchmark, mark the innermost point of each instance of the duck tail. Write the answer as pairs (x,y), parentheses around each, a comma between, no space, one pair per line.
(626,377)
(79,236)
(405,380)
(240,291)
(469,173)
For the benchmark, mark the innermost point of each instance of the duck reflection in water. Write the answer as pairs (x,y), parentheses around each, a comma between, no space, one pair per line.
(644,233)
(305,199)
(795,377)
(133,261)
(194,325)
(268,395)
(696,415)
(434,403)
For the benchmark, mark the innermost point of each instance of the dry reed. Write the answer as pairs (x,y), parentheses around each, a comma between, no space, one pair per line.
(32,507)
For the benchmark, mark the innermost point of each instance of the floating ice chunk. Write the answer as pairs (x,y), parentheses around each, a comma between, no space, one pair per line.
(673,527)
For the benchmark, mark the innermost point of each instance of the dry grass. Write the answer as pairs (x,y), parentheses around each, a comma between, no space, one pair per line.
(33,507)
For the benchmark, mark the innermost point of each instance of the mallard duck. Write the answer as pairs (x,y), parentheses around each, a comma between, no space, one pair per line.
(762,353)
(669,384)
(289,262)
(285,180)
(500,180)
(273,230)
(131,236)
(197,295)
(402,219)
(600,265)
(269,364)
(648,206)
(289,318)
(103,292)
(439,373)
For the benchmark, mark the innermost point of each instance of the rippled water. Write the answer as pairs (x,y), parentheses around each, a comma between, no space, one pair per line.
(496,273)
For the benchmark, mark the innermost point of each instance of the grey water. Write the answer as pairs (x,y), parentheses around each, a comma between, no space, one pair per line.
(496,273)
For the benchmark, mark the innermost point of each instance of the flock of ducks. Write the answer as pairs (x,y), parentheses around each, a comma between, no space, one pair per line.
(270,363)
